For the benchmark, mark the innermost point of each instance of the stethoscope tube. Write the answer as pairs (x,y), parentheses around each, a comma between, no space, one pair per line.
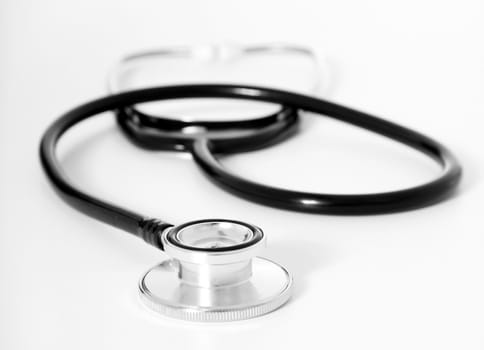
(237,135)
(150,229)
(335,204)
(204,153)
(276,127)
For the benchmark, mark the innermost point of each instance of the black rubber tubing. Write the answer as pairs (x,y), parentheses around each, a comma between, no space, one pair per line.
(150,229)
(235,135)
(242,135)
(204,153)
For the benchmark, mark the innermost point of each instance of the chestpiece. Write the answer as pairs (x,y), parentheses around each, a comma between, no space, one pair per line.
(214,273)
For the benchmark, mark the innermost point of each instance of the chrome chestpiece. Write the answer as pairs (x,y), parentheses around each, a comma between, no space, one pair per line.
(214,274)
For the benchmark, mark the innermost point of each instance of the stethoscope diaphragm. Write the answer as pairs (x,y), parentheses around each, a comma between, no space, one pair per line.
(214,274)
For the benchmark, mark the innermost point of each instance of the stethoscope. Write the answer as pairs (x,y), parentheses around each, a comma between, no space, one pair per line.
(214,273)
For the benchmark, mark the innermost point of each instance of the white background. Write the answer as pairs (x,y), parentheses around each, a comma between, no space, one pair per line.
(412,280)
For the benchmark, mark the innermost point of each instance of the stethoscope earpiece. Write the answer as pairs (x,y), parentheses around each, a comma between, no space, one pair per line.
(214,274)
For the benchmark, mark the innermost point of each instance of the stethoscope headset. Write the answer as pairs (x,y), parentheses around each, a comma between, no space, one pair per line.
(214,273)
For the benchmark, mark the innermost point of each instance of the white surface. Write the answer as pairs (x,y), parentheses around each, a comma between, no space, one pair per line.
(410,280)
